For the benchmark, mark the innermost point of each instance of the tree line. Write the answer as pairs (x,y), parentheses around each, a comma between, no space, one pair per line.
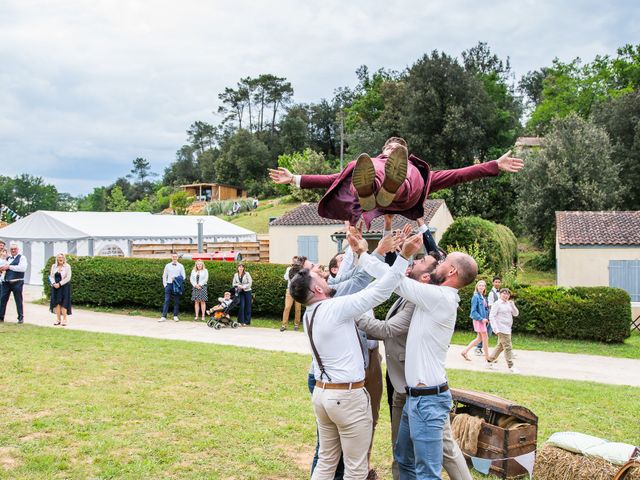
(453,111)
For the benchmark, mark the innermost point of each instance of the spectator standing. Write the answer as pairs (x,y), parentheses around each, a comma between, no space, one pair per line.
(60,278)
(288,299)
(199,278)
(13,281)
(493,296)
(242,282)
(501,317)
(173,282)
(480,316)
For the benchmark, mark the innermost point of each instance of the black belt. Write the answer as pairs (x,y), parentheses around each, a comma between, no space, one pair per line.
(420,391)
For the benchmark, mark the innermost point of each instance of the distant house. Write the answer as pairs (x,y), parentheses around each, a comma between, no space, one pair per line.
(529,142)
(206,192)
(303,232)
(599,248)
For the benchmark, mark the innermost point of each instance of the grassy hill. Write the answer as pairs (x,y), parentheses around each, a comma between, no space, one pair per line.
(258,220)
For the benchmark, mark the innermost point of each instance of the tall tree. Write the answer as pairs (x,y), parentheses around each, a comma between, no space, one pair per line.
(201,135)
(574,171)
(116,201)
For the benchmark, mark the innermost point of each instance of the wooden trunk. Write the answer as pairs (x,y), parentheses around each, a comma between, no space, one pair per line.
(495,441)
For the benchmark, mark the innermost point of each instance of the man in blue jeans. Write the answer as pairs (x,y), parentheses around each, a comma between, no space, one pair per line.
(419,447)
(173,272)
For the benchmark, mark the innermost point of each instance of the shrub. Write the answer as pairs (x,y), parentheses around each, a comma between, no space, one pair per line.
(137,282)
(497,242)
(590,313)
(587,313)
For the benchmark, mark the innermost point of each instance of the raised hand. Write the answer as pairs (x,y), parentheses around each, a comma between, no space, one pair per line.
(281,175)
(411,245)
(407,230)
(507,163)
(387,244)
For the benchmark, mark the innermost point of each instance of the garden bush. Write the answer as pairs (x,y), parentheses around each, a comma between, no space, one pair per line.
(497,242)
(585,313)
(589,313)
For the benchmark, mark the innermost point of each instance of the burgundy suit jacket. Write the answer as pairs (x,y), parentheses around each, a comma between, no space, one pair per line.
(340,203)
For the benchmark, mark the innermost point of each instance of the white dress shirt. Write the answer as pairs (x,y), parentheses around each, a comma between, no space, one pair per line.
(334,328)
(431,329)
(202,279)
(21,266)
(501,316)
(171,271)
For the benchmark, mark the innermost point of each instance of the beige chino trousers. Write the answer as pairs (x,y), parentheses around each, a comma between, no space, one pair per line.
(344,426)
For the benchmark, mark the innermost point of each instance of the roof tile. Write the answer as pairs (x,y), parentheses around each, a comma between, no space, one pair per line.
(598,228)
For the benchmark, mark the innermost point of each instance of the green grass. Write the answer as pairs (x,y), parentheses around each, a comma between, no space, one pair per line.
(258,220)
(79,405)
(528,275)
(629,349)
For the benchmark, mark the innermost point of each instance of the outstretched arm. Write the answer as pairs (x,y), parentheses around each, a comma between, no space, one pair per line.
(448,178)
(283,176)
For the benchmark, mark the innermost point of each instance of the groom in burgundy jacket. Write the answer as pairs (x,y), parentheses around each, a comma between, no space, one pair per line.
(392,182)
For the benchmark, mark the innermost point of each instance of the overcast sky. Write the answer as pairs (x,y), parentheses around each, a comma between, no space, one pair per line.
(87,86)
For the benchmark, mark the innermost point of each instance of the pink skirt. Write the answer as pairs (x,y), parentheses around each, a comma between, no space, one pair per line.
(479,326)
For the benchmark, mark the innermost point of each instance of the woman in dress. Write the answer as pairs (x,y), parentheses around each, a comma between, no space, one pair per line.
(59,278)
(480,316)
(242,282)
(199,278)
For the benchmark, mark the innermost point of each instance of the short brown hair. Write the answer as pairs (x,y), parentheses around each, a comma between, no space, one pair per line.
(399,140)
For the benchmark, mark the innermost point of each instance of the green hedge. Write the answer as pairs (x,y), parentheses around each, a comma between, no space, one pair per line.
(497,242)
(137,282)
(585,313)
(589,313)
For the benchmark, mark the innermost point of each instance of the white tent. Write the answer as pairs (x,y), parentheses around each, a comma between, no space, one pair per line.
(43,234)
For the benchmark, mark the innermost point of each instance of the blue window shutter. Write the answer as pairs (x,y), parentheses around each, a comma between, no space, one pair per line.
(625,274)
(313,248)
(308,246)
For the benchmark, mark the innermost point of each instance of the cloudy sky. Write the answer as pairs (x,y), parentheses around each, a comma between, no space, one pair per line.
(88,85)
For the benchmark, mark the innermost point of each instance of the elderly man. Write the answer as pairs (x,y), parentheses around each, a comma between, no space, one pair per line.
(340,401)
(419,448)
(392,182)
(13,281)
(393,331)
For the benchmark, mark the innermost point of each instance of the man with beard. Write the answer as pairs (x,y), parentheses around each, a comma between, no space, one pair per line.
(393,331)
(419,447)
(340,401)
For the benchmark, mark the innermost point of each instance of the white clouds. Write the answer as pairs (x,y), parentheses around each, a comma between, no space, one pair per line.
(85,87)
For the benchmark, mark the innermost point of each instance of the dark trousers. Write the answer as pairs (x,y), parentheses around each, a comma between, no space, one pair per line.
(168,296)
(311,383)
(7,289)
(244,308)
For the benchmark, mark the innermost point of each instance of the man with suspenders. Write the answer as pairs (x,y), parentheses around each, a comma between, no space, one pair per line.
(13,281)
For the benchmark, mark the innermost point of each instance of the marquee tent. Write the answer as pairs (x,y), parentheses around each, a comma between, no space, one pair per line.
(43,234)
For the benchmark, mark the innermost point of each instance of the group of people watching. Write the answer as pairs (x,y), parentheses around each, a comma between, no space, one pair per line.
(173,281)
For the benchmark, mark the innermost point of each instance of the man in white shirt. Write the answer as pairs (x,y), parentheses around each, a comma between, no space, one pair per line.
(340,402)
(13,281)
(172,271)
(428,402)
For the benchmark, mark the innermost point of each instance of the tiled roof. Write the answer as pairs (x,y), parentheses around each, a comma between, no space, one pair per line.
(598,228)
(530,142)
(307,214)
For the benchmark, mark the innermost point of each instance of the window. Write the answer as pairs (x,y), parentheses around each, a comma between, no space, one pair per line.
(625,274)
(111,251)
(308,246)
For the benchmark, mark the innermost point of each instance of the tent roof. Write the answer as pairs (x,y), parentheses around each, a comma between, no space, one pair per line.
(45,225)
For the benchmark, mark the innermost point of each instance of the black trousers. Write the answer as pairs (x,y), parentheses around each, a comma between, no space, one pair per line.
(7,289)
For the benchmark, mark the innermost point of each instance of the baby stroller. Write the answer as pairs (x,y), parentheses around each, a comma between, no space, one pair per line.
(222,318)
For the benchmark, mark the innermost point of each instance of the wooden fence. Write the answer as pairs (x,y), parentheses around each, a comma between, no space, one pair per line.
(251,251)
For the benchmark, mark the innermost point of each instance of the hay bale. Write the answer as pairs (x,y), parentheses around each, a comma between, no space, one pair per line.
(554,463)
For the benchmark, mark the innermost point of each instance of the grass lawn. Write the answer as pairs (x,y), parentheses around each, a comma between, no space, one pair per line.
(78,405)
(258,220)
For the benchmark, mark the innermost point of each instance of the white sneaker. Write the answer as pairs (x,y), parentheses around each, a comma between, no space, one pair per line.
(488,365)
(176,319)
(514,370)
(163,319)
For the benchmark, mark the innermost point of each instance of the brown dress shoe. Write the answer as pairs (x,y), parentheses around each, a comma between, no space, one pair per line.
(363,178)
(395,172)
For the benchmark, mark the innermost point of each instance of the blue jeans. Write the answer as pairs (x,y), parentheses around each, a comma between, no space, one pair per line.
(489,333)
(418,449)
(311,383)
(168,296)
(244,307)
